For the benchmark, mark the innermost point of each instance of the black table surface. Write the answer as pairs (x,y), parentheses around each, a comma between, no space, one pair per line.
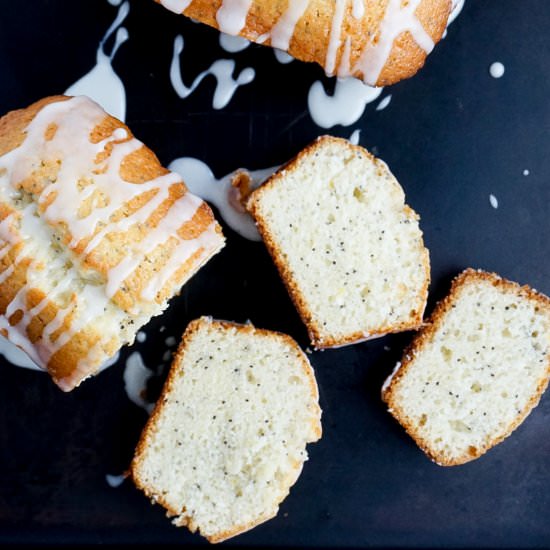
(452,135)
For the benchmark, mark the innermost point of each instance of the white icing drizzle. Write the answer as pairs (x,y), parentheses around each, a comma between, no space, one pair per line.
(455,10)
(397,20)
(59,202)
(233,44)
(355,136)
(283,30)
(384,103)
(282,57)
(334,38)
(345,106)
(135,376)
(177,6)
(16,356)
(222,70)
(358,8)
(494,201)
(114,481)
(102,84)
(231,15)
(201,181)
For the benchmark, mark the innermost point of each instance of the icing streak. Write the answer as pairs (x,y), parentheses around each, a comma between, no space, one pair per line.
(86,197)
(222,70)
(177,6)
(283,30)
(335,34)
(102,84)
(397,20)
(231,16)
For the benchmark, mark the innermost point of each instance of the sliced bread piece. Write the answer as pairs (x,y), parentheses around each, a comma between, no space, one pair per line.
(476,370)
(227,438)
(96,236)
(348,248)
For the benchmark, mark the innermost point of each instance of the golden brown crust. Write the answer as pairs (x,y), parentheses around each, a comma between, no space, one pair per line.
(150,427)
(138,167)
(310,40)
(427,333)
(319,340)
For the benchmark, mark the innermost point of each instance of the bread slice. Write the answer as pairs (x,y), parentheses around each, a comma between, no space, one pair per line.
(95,235)
(348,248)
(227,438)
(379,42)
(476,370)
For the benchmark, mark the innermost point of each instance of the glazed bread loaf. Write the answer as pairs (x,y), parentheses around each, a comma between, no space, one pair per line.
(347,246)
(377,41)
(227,438)
(476,370)
(95,235)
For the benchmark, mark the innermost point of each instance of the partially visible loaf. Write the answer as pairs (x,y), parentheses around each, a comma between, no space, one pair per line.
(95,235)
(227,438)
(476,370)
(377,41)
(348,248)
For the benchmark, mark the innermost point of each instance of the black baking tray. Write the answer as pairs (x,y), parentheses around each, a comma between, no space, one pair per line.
(453,135)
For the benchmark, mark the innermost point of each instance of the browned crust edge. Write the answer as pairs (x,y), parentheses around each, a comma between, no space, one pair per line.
(431,326)
(150,427)
(317,338)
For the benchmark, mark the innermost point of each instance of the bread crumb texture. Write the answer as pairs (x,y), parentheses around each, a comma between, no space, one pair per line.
(348,248)
(228,436)
(476,370)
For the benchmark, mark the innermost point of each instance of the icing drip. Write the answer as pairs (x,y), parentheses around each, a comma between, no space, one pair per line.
(102,84)
(345,106)
(355,136)
(397,20)
(220,192)
(16,356)
(283,30)
(358,8)
(282,57)
(59,203)
(222,70)
(384,103)
(455,11)
(177,6)
(334,39)
(496,70)
(233,44)
(136,375)
(231,16)
(115,481)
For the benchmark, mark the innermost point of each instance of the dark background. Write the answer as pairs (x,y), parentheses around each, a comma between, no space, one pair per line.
(452,135)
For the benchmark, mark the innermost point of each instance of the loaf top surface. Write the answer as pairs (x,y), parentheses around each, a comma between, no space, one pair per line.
(95,234)
(348,248)
(476,370)
(227,438)
(377,41)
